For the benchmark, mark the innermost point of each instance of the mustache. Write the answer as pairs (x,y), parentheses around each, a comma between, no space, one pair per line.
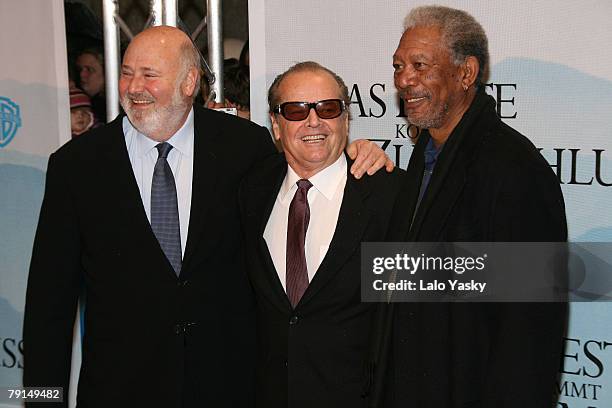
(141,96)
(410,94)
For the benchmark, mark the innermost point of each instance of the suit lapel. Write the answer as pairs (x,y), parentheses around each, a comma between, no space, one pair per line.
(413,179)
(132,215)
(449,176)
(352,221)
(203,184)
(261,199)
(444,187)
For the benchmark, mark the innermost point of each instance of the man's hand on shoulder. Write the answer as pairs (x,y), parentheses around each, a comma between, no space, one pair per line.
(368,157)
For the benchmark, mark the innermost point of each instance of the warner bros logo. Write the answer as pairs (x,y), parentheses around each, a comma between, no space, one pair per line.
(10,120)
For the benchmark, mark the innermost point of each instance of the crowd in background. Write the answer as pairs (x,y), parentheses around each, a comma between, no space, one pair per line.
(87,79)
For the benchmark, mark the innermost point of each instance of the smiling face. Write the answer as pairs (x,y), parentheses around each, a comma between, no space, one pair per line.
(431,86)
(312,144)
(154,88)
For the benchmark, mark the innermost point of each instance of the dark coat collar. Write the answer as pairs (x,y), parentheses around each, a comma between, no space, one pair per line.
(205,167)
(449,176)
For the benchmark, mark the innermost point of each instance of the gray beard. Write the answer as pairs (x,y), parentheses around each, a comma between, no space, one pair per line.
(433,120)
(166,118)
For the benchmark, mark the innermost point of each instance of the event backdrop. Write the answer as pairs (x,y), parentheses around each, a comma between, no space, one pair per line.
(551,74)
(34,121)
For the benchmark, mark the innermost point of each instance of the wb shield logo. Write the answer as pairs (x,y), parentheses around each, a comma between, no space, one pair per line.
(10,120)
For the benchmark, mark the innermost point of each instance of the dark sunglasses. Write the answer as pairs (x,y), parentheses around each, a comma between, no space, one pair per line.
(326,109)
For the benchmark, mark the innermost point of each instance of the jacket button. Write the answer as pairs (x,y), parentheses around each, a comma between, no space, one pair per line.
(293,320)
(188,326)
(183,283)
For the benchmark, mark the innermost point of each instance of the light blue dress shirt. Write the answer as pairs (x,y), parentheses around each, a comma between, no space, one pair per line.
(143,156)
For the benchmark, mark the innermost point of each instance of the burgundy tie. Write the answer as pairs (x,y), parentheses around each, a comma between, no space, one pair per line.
(299,216)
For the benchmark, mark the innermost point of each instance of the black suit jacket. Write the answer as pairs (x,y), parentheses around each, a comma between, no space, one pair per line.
(151,339)
(490,184)
(317,354)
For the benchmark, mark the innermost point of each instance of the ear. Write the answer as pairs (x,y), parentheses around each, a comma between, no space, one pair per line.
(188,85)
(275,129)
(469,71)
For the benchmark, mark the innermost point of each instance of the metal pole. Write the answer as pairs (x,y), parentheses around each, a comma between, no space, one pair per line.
(164,12)
(124,27)
(157,11)
(111,58)
(170,12)
(196,33)
(215,46)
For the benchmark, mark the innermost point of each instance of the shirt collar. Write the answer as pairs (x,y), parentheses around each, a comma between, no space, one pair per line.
(326,181)
(431,153)
(182,140)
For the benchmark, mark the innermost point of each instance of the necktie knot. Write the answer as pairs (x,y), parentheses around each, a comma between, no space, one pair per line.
(304,184)
(163,149)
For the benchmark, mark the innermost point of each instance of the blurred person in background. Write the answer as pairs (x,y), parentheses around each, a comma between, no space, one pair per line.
(235,88)
(81,116)
(90,66)
(244,55)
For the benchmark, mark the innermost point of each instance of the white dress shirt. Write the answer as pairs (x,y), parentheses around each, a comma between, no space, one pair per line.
(324,199)
(143,156)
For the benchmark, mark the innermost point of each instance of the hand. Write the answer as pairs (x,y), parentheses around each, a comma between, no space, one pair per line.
(368,156)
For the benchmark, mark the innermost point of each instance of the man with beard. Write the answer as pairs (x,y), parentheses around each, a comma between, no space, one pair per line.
(471,178)
(143,215)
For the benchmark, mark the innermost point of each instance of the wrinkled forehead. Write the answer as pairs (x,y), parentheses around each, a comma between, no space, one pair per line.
(421,39)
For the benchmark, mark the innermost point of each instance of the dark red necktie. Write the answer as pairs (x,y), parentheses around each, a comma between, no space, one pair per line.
(297,224)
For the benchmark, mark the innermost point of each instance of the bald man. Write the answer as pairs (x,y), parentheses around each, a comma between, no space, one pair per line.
(141,216)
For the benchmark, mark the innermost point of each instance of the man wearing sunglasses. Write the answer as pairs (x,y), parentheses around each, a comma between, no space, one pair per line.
(306,216)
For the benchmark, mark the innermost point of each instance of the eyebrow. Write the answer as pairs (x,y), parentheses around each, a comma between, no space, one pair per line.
(143,69)
(420,56)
